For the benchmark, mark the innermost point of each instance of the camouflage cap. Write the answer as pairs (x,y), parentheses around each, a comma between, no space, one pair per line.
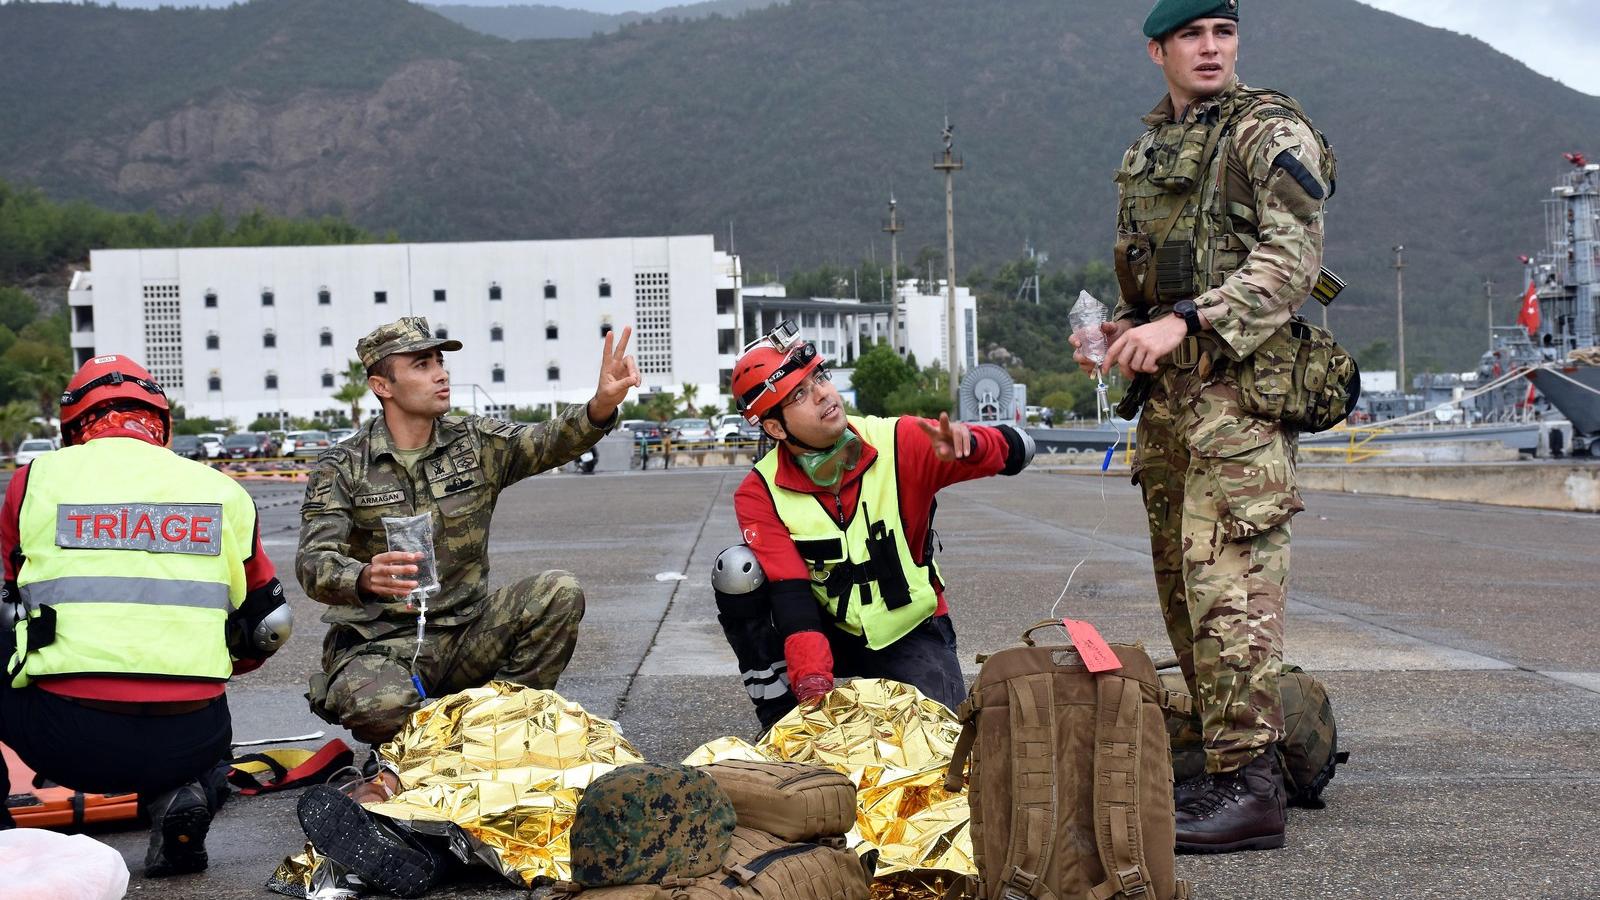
(1170,15)
(408,335)
(641,823)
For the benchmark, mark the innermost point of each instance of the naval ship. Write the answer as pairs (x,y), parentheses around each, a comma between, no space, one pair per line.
(1561,351)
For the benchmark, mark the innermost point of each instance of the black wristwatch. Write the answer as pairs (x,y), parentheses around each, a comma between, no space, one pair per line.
(1191,315)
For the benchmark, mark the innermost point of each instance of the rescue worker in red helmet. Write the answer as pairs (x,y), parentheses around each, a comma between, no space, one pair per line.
(135,587)
(838,519)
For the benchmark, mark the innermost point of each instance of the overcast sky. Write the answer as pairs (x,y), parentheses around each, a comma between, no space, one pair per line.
(1558,38)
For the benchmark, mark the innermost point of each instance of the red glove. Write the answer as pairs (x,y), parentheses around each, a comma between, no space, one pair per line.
(810,664)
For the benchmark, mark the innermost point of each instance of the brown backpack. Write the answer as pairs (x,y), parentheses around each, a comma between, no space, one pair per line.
(1071,779)
(793,801)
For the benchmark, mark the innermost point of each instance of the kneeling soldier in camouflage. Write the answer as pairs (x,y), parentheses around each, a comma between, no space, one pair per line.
(413,460)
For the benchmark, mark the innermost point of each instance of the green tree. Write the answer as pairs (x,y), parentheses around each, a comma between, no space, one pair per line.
(353,390)
(17,309)
(710,411)
(879,372)
(539,413)
(662,405)
(928,394)
(691,393)
(16,423)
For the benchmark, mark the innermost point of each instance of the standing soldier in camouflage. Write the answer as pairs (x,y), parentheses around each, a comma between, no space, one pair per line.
(1219,227)
(412,460)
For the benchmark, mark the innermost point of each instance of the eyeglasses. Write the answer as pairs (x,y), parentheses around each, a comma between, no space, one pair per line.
(73,396)
(804,392)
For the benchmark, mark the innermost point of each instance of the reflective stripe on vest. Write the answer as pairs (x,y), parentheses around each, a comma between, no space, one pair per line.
(137,572)
(864,575)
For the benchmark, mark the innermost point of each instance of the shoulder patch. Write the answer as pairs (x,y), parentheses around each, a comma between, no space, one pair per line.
(1275,112)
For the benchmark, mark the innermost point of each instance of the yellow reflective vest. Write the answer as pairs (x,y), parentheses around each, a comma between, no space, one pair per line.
(134,558)
(863,574)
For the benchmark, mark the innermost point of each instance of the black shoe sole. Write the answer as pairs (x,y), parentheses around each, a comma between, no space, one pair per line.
(345,833)
(1265,842)
(183,843)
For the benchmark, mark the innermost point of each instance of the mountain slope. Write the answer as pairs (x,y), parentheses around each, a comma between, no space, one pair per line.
(520,22)
(791,123)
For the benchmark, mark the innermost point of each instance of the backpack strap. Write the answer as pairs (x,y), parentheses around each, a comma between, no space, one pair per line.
(967,715)
(1033,788)
(1118,835)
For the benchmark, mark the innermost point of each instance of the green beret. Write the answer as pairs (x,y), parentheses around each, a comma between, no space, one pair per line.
(1170,15)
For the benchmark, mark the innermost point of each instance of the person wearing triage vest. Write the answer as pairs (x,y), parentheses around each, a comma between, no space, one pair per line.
(837,525)
(136,586)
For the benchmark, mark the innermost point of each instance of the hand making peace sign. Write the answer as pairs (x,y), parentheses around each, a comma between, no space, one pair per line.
(618,373)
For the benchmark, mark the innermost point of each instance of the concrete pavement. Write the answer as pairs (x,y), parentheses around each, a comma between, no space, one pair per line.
(1457,641)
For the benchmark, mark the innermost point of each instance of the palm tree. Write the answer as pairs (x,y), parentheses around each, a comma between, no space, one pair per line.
(690,393)
(16,423)
(354,390)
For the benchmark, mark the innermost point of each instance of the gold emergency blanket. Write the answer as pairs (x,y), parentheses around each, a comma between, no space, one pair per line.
(505,765)
(895,744)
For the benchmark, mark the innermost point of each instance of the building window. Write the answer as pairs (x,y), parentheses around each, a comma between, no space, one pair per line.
(214,383)
(266,298)
(212,341)
(808,320)
(496,333)
(552,373)
(272,381)
(652,331)
(438,295)
(269,339)
(324,298)
(827,320)
(327,338)
(327,379)
(549,290)
(551,332)
(494,292)
(497,375)
(380,296)
(605,288)
(163,334)
(211,299)
(605,329)
(442,333)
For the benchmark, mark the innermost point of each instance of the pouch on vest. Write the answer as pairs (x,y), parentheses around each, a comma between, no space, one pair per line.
(33,632)
(1302,377)
(1177,155)
(1131,257)
(1070,788)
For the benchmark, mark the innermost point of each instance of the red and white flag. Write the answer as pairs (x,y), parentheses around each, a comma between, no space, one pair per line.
(1528,316)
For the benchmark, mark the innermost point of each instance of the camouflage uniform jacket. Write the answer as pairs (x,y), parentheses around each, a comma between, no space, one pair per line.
(467,462)
(1265,216)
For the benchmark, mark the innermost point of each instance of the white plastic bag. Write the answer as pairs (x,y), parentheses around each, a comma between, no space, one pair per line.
(42,865)
(414,534)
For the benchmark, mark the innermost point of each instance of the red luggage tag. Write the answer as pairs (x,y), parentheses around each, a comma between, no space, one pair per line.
(1097,654)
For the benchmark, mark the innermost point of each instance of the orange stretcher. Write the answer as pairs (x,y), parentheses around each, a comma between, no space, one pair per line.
(53,806)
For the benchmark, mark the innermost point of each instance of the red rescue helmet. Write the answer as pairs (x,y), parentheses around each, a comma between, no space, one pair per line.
(104,379)
(766,375)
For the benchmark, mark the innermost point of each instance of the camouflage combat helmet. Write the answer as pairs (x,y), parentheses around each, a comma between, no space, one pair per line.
(1310,738)
(641,823)
(1310,746)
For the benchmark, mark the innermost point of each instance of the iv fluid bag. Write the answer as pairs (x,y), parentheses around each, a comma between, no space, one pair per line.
(1087,315)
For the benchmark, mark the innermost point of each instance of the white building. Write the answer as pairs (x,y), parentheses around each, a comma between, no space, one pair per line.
(261,331)
(841,327)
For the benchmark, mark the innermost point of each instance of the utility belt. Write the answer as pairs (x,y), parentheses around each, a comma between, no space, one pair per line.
(1300,376)
(141,707)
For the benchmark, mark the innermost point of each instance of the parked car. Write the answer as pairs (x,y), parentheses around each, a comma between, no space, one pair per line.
(247,445)
(643,430)
(736,428)
(305,443)
(213,444)
(33,448)
(335,435)
(189,446)
(691,431)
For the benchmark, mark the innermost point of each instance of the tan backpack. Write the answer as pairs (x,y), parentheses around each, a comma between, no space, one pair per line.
(758,866)
(1071,779)
(790,800)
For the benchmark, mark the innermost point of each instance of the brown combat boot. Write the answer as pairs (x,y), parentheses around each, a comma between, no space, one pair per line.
(1189,789)
(1239,810)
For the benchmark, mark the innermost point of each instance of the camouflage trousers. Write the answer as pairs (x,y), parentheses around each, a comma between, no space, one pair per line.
(1219,490)
(525,633)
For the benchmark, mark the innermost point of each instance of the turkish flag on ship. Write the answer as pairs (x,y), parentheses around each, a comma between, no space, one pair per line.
(1528,316)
